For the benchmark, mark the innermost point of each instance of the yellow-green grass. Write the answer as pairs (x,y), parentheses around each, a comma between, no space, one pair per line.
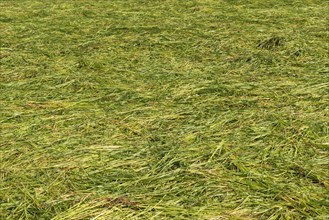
(202,109)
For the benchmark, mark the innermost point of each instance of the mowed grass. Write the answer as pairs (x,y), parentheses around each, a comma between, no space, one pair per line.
(172,109)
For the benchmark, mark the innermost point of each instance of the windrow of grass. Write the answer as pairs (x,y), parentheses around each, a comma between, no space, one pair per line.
(164,109)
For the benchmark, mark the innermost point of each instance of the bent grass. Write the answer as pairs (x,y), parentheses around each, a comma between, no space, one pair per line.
(164,110)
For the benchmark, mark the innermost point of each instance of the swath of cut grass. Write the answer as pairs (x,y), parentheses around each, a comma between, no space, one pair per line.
(164,110)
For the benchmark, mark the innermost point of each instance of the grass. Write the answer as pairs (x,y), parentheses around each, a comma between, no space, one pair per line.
(169,109)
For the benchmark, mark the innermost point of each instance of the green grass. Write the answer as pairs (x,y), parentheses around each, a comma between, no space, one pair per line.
(172,109)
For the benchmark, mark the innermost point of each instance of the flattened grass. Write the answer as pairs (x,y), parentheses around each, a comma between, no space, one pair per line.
(164,110)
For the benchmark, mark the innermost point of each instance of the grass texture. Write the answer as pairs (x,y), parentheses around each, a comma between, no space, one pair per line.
(164,109)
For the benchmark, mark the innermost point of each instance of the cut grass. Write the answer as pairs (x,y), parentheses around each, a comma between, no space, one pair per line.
(164,109)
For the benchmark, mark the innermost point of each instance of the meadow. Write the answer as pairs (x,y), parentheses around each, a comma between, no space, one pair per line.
(164,109)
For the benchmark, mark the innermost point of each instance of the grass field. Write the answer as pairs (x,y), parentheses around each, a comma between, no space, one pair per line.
(164,109)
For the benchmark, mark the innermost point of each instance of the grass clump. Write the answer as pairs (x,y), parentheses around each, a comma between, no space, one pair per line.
(164,110)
